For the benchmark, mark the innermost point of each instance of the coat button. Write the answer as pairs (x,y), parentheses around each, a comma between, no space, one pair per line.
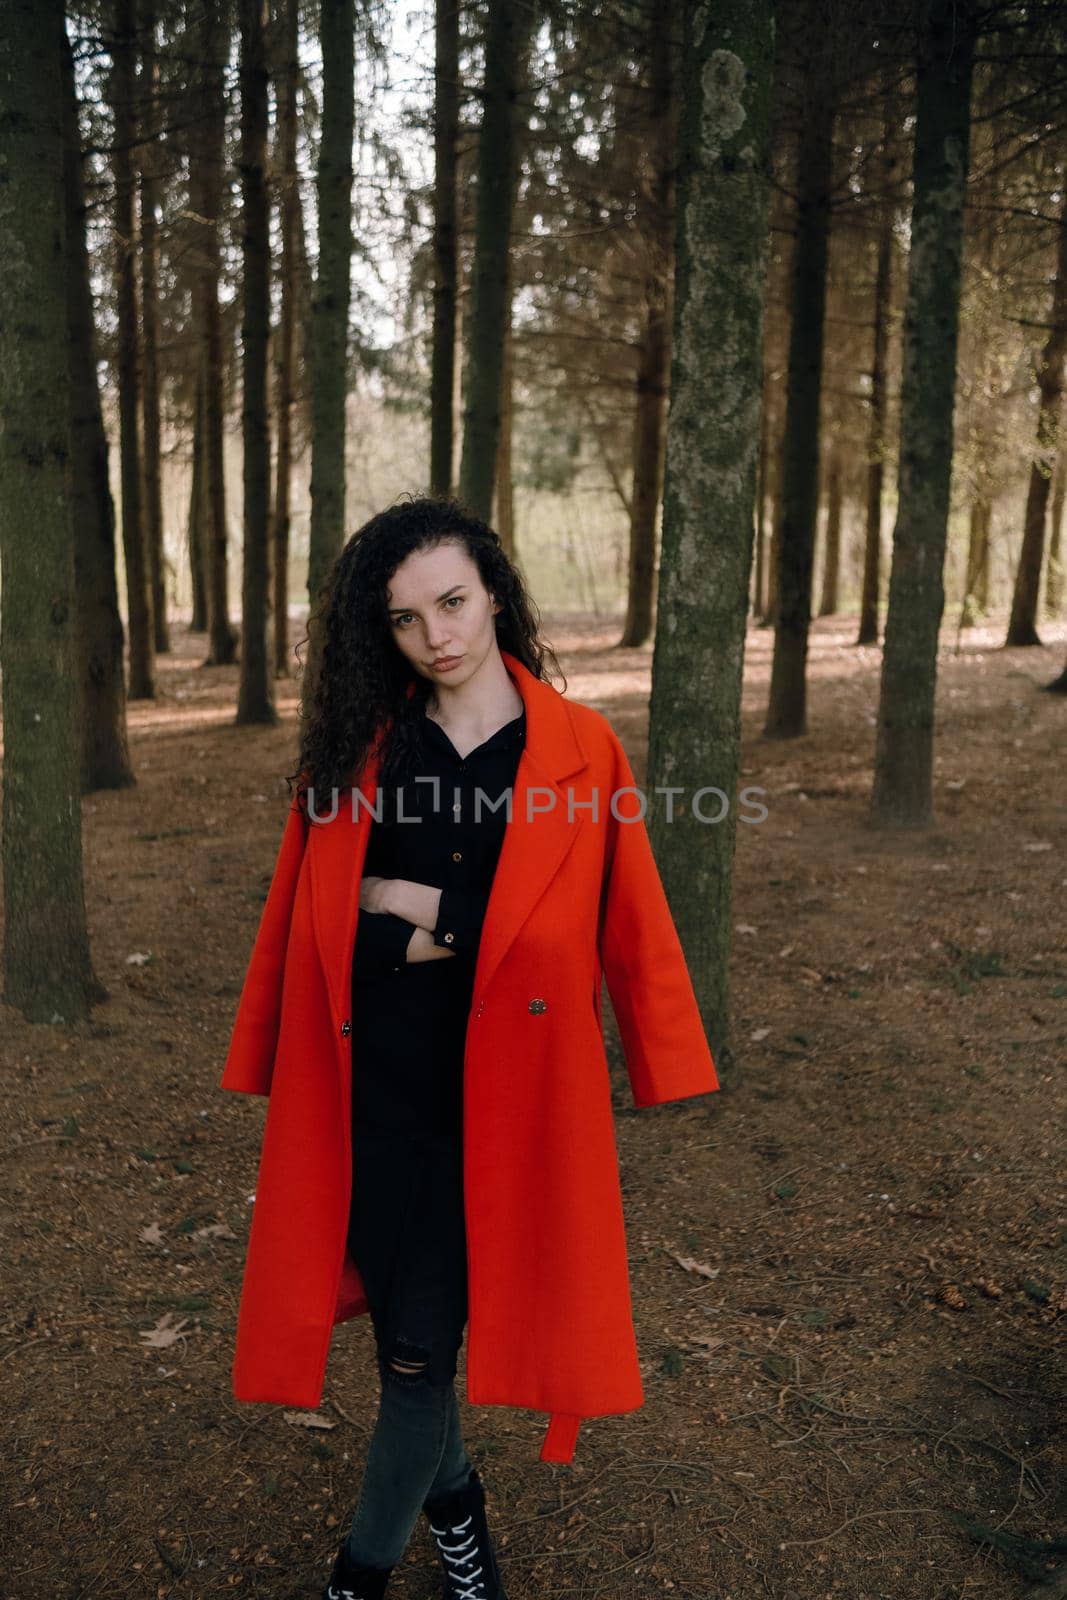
(449,938)
(346,1028)
(538,1005)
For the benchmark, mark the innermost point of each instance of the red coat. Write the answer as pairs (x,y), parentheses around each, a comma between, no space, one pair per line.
(550,1323)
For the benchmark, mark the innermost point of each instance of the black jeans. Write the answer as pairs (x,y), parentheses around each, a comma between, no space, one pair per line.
(408,1238)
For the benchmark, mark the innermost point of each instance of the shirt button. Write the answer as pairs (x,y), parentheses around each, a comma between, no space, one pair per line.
(457,855)
(346,1028)
(449,938)
(538,1005)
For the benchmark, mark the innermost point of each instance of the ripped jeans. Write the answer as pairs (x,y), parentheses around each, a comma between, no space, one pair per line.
(416,1449)
(417,1297)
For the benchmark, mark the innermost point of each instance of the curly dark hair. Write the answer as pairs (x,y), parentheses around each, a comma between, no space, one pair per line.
(361,689)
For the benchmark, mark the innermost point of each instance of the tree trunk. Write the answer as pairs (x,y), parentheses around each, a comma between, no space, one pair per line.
(330,302)
(981,585)
(329,310)
(786,711)
(655,227)
(105,755)
(976,579)
(128,360)
(197,513)
(1054,581)
(445,245)
(903,776)
(759,587)
(832,563)
(148,159)
(47,969)
(1022,625)
(876,429)
(777,475)
(710,481)
(505,44)
(285,341)
(504,490)
(206,160)
(255,700)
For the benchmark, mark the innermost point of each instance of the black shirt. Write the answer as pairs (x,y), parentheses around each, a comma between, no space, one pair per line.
(410,1018)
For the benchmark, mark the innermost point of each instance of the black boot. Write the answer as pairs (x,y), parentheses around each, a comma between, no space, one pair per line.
(457,1522)
(348,1581)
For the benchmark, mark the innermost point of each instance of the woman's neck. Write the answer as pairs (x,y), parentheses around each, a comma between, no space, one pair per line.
(480,706)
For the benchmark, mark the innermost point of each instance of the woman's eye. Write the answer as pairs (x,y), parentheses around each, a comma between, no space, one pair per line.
(404,618)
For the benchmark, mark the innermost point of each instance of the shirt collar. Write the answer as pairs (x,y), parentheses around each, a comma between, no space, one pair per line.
(513,732)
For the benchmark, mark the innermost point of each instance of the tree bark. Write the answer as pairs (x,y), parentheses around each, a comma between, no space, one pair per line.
(976,581)
(207,157)
(445,245)
(1022,625)
(504,488)
(832,563)
(197,513)
(656,227)
(507,35)
(285,341)
(47,969)
(104,749)
(876,429)
(128,359)
(710,480)
(786,711)
(255,700)
(148,159)
(902,794)
(329,309)
(1054,580)
(759,586)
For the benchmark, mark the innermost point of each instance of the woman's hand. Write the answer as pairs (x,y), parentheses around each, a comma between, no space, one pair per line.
(421,947)
(389,895)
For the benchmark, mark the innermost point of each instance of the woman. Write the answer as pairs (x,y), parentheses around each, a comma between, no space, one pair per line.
(476,1163)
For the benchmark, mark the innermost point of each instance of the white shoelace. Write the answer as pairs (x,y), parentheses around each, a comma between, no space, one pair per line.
(469,1585)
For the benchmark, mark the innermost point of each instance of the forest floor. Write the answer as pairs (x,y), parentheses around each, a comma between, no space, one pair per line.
(848,1266)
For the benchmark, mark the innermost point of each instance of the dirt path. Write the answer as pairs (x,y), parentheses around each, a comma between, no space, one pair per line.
(848,1271)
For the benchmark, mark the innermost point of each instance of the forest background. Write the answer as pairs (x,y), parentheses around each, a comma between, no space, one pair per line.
(747,332)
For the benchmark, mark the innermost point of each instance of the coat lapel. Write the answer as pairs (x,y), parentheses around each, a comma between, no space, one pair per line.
(533,851)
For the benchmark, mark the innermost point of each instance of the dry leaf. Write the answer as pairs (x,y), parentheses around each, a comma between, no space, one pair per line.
(166,1332)
(307,1419)
(151,1234)
(694,1266)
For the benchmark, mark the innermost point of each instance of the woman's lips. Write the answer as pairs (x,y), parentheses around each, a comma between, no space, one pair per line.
(446,663)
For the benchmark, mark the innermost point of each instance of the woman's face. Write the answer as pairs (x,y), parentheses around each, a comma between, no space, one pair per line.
(441,614)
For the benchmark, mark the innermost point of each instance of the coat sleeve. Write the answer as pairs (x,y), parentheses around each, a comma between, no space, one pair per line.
(250,1060)
(662,1032)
